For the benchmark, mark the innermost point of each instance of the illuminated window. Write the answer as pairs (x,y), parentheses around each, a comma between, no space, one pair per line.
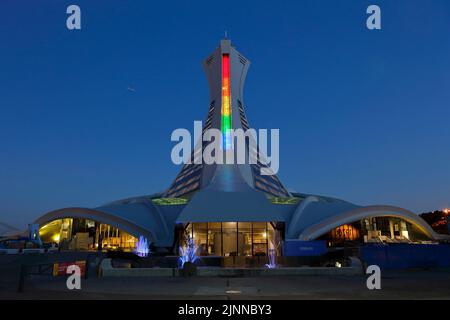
(234,238)
(169,201)
(345,233)
(85,234)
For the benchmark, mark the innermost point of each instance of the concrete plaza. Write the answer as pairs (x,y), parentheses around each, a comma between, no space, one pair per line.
(414,284)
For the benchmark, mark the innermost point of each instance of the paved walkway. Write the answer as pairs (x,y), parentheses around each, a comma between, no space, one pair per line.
(395,285)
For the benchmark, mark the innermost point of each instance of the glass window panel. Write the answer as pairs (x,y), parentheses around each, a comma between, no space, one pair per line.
(245,239)
(201,238)
(259,238)
(247,225)
(214,225)
(188,231)
(259,225)
(229,237)
(272,237)
(215,238)
(229,225)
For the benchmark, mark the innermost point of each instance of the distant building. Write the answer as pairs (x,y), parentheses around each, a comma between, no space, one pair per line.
(229,210)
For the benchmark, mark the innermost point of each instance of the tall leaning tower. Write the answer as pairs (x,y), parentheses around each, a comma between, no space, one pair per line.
(226,70)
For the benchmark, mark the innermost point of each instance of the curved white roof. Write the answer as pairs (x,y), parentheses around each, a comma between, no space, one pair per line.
(136,216)
(246,206)
(317,215)
(312,217)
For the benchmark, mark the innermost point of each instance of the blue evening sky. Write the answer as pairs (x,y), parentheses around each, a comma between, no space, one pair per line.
(363,115)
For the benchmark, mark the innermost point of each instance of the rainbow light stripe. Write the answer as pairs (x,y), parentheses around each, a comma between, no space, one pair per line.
(226,102)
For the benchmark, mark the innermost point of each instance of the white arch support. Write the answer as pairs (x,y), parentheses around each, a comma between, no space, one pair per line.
(98,216)
(296,217)
(326,225)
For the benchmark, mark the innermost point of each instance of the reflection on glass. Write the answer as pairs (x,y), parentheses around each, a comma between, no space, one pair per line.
(201,238)
(245,232)
(215,238)
(229,239)
(235,239)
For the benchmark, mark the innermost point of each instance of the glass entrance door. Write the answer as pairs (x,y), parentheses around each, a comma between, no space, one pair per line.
(233,238)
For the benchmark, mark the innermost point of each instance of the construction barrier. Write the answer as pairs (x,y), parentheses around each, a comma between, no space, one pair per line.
(406,256)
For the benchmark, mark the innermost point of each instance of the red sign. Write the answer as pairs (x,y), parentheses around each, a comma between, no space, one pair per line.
(60,269)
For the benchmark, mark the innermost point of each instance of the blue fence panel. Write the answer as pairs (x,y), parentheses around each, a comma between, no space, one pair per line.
(375,253)
(443,256)
(407,256)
